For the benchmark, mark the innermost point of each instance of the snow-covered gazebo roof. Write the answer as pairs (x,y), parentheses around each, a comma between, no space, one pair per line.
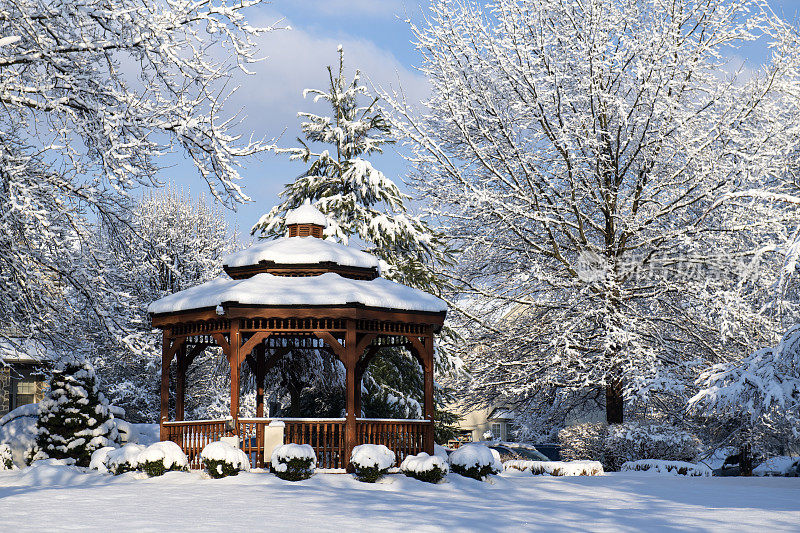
(300,271)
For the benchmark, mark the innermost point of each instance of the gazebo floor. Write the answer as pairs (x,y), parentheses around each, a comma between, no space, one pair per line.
(326,435)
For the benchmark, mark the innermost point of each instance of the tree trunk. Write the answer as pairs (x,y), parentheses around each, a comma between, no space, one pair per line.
(745,461)
(614,403)
(294,395)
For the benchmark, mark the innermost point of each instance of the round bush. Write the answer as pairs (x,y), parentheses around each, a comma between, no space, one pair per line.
(222,460)
(162,457)
(476,461)
(294,462)
(121,460)
(424,467)
(370,462)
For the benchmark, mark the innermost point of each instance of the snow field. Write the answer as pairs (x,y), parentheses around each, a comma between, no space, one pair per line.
(65,498)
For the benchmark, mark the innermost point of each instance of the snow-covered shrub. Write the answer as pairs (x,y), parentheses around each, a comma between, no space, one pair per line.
(779,466)
(6,459)
(370,462)
(222,460)
(121,460)
(632,442)
(557,468)
(294,462)
(675,468)
(424,467)
(99,460)
(476,461)
(583,441)
(162,457)
(616,444)
(74,417)
(18,431)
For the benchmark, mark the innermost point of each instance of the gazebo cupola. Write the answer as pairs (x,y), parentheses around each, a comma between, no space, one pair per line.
(306,221)
(298,292)
(303,253)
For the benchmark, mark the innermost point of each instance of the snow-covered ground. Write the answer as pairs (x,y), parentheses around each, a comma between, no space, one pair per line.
(64,499)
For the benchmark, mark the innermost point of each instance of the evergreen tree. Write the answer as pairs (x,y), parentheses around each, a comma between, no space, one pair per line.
(361,203)
(358,199)
(75,418)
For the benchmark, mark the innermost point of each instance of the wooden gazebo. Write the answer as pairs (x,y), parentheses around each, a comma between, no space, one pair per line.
(305,292)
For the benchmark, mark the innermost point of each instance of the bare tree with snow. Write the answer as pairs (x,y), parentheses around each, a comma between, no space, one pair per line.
(94,94)
(586,156)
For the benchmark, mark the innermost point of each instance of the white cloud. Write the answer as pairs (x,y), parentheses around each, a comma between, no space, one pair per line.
(297,59)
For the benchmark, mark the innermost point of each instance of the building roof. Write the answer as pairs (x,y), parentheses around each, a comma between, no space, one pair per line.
(329,289)
(300,251)
(23,350)
(306,214)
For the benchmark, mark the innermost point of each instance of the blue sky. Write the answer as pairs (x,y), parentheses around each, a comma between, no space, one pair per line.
(375,39)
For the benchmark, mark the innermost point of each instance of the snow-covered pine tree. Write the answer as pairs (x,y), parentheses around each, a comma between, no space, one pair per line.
(362,203)
(586,157)
(358,199)
(75,418)
(754,403)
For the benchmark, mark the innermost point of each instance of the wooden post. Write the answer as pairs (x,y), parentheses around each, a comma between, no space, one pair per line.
(427,370)
(234,346)
(180,384)
(359,377)
(350,359)
(261,370)
(166,356)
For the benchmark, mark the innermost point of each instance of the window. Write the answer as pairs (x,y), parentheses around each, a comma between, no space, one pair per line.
(23,392)
(497,430)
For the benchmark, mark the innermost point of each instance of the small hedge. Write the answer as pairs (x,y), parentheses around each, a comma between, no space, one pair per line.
(223,460)
(370,462)
(424,467)
(476,461)
(294,462)
(160,458)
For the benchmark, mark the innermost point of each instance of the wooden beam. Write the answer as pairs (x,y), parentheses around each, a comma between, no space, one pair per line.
(257,338)
(365,341)
(334,344)
(350,358)
(224,344)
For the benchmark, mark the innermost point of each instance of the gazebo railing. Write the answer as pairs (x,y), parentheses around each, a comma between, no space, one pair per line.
(193,435)
(325,435)
(403,437)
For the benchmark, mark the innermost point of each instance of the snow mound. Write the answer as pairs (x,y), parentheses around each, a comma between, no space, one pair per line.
(441,451)
(557,468)
(167,453)
(675,468)
(471,455)
(326,289)
(222,452)
(778,466)
(99,460)
(124,459)
(31,409)
(306,214)
(423,462)
(19,433)
(372,456)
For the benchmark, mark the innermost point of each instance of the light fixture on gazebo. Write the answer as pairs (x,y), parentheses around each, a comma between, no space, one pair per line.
(300,289)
